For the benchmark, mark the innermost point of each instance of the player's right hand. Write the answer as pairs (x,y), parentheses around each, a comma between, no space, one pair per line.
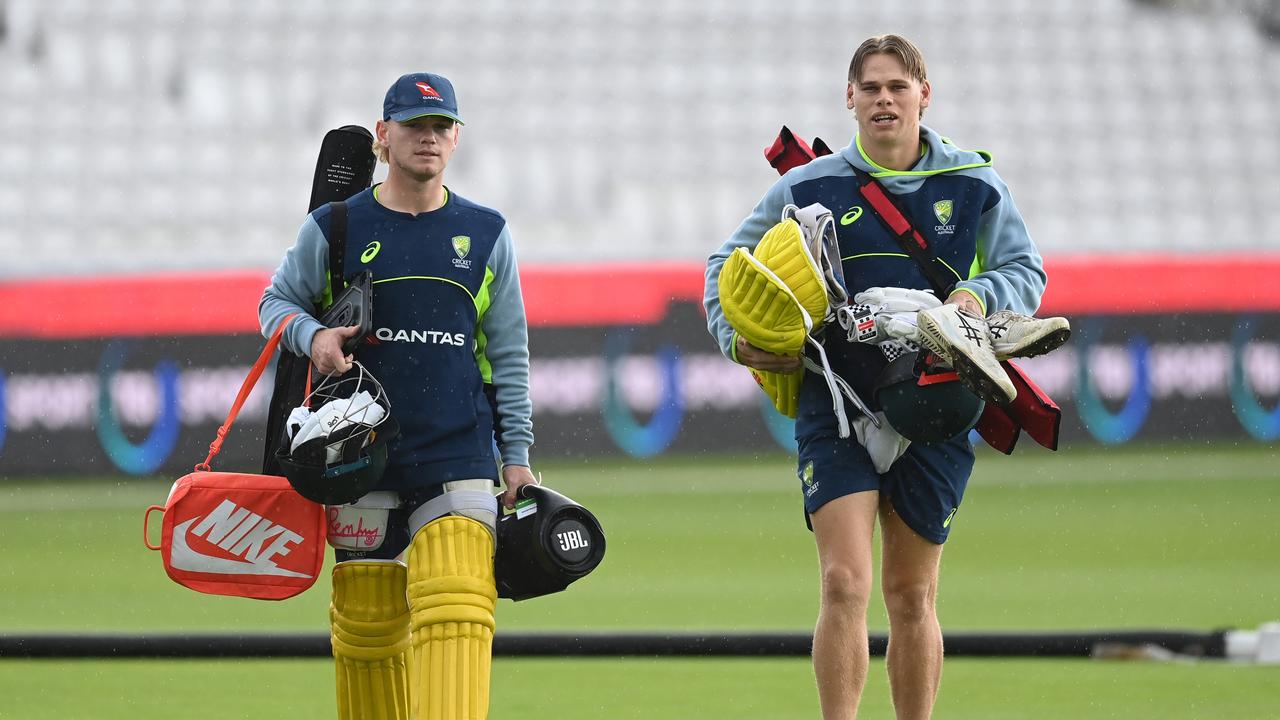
(754,357)
(326,350)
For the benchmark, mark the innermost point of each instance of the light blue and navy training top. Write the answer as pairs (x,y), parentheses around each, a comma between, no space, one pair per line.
(953,197)
(450,342)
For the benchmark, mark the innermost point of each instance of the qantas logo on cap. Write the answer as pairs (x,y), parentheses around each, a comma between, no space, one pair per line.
(253,542)
(428,91)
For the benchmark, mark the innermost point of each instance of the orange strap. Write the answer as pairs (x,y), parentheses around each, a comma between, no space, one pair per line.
(247,387)
(306,397)
(145,517)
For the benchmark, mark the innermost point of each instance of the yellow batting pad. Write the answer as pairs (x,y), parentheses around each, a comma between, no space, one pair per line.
(369,617)
(772,298)
(760,307)
(783,251)
(782,389)
(451,602)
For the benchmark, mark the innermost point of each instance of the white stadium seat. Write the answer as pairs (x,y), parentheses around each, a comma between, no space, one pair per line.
(140,135)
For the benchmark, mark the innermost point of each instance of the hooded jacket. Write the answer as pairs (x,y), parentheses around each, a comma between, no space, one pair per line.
(450,341)
(954,197)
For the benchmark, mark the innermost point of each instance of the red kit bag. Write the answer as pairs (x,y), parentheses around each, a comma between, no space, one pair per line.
(240,534)
(237,534)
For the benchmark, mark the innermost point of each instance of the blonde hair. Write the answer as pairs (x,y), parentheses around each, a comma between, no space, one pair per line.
(896,45)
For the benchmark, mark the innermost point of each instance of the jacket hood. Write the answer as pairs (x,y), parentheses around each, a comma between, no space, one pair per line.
(940,156)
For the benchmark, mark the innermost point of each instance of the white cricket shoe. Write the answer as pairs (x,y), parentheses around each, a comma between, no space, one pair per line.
(962,340)
(1014,335)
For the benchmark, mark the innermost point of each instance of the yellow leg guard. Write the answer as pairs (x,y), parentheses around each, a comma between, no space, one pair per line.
(451,600)
(369,616)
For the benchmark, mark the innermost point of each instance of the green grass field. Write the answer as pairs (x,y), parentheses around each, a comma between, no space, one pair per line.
(1171,537)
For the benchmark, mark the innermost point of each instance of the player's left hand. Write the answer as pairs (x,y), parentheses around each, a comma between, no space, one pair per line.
(326,350)
(967,302)
(515,477)
(754,357)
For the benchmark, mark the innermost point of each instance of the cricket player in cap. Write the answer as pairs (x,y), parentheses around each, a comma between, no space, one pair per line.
(851,480)
(412,612)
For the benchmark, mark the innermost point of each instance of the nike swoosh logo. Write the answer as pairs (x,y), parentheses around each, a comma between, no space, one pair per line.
(182,557)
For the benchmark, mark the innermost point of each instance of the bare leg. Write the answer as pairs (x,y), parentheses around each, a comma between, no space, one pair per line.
(909,576)
(843,529)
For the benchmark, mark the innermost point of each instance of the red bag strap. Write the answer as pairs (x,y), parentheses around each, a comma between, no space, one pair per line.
(908,238)
(886,209)
(246,387)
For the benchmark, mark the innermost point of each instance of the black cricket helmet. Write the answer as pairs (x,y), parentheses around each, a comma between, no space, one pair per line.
(545,545)
(924,403)
(341,448)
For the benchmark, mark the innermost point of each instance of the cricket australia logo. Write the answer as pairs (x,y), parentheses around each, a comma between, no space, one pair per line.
(943,210)
(806,477)
(462,246)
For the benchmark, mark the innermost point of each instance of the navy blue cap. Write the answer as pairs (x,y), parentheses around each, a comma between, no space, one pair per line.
(418,94)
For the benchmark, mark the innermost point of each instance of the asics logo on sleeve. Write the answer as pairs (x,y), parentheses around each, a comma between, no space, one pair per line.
(254,539)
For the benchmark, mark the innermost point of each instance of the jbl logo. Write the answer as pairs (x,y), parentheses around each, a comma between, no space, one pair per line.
(572,540)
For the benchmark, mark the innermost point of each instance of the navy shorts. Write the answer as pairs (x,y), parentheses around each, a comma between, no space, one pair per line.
(925,485)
